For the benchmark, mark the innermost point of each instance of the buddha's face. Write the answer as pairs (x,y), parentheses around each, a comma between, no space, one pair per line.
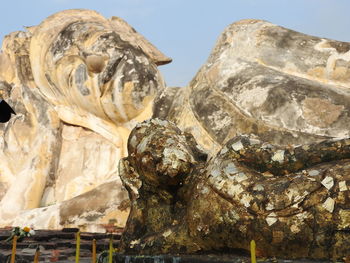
(90,65)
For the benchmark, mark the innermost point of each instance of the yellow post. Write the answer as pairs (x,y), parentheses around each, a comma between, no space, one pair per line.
(252,251)
(94,251)
(14,245)
(77,250)
(36,256)
(110,259)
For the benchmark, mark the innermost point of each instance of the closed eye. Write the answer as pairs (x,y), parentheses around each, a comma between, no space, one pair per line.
(110,70)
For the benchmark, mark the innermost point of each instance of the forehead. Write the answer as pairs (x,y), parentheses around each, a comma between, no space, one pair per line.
(84,37)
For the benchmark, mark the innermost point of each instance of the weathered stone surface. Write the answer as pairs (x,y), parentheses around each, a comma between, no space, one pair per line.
(91,210)
(293,201)
(271,108)
(280,85)
(79,83)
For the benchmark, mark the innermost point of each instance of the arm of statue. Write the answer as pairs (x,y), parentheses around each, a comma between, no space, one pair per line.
(285,160)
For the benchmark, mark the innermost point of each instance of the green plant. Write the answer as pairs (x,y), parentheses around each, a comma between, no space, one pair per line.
(20,233)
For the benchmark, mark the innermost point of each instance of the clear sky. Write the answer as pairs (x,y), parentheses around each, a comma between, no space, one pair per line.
(186,30)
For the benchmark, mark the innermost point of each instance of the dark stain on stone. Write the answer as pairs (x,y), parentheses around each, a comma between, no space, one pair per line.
(235,81)
(92,218)
(5,89)
(64,39)
(52,84)
(209,109)
(39,104)
(241,79)
(163,103)
(76,31)
(110,70)
(3,189)
(286,88)
(80,79)
(276,98)
(130,60)
(24,68)
(141,76)
(281,45)
(286,38)
(341,47)
(342,63)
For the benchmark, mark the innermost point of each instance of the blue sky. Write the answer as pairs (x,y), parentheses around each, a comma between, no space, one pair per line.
(186,30)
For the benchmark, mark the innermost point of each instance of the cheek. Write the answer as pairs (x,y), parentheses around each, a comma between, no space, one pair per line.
(81,91)
(72,79)
(131,90)
(140,81)
(138,90)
